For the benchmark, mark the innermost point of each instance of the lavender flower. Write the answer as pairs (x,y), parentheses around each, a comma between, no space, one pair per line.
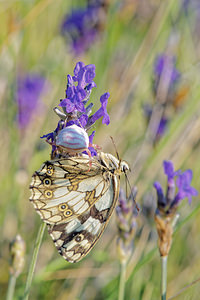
(166,78)
(29,89)
(169,202)
(162,126)
(82,26)
(165,215)
(126,221)
(194,5)
(165,66)
(75,106)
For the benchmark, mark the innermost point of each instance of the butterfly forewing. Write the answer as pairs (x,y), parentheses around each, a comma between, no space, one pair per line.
(75,202)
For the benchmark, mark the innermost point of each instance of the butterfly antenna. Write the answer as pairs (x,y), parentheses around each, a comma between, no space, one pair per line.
(117,154)
(133,192)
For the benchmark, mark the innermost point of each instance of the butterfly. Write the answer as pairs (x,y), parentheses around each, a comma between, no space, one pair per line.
(76,204)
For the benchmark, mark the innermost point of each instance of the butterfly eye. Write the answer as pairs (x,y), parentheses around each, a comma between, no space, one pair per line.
(48,194)
(47,182)
(67,213)
(62,207)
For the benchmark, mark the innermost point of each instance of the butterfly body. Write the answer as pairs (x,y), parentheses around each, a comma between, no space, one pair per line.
(76,204)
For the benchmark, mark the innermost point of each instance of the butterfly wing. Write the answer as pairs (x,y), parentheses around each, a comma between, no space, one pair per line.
(64,189)
(76,199)
(76,238)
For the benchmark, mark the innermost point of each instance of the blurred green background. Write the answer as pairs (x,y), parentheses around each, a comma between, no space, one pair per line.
(129,37)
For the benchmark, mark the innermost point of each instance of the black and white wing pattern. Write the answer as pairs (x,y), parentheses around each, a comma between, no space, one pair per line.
(76,200)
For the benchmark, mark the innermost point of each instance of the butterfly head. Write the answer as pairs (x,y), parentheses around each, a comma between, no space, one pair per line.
(123,166)
(113,164)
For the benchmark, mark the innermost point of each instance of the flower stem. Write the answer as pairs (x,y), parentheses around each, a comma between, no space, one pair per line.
(164,277)
(11,287)
(33,261)
(122,281)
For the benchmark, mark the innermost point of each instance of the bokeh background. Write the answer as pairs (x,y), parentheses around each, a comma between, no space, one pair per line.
(146,55)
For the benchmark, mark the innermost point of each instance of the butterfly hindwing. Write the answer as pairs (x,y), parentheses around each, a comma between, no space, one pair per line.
(76,238)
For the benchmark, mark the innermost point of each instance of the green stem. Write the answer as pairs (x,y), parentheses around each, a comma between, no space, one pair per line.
(33,261)
(122,281)
(11,287)
(164,277)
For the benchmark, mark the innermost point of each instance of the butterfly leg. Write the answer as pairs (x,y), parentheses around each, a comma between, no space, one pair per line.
(90,158)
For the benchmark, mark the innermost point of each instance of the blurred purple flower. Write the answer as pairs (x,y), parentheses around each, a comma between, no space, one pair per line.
(127,212)
(169,202)
(162,126)
(29,89)
(194,5)
(165,66)
(166,63)
(75,108)
(82,26)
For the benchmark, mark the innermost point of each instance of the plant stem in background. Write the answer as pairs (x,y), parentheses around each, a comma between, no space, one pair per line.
(33,261)
(11,287)
(178,188)
(126,212)
(122,281)
(17,254)
(164,277)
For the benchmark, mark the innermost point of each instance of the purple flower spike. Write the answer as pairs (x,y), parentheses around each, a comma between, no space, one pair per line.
(91,137)
(79,66)
(160,195)
(83,120)
(68,104)
(162,127)
(102,111)
(84,75)
(168,169)
(169,202)
(92,150)
(89,73)
(166,63)
(82,26)
(76,109)
(29,89)
(185,190)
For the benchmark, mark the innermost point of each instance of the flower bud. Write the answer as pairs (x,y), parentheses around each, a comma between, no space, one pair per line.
(126,221)
(17,251)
